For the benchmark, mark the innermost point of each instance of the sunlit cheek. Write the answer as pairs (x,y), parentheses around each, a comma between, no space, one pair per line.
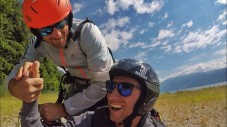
(130,104)
(132,101)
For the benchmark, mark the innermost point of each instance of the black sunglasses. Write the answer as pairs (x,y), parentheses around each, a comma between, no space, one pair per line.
(124,88)
(48,30)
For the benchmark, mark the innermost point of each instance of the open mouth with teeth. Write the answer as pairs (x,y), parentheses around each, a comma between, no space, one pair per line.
(116,107)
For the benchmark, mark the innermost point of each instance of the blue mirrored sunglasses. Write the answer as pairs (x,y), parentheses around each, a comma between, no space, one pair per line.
(48,30)
(123,88)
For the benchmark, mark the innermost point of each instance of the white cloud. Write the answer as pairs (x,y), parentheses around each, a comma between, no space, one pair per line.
(165,16)
(142,7)
(111,7)
(113,40)
(200,67)
(165,34)
(124,4)
(113,23)
(138,44)
(222,1)
(224,23)
(222,18)
(151,24)
(167,48)
(198,57)
(201,39)
(126,35)
(143,31)
(114,36)
(170,24)
(188,24)
(221,52)
(141,56)
(154,44)
(139,5)
(77,7)
(98,12)
(177,49)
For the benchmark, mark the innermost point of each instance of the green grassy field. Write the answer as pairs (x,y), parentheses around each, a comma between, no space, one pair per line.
(200,108)
(10,107)
(196,96)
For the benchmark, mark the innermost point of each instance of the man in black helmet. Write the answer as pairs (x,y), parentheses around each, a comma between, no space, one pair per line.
(132,91)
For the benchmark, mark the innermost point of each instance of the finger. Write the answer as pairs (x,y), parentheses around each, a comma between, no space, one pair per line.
(19,73)
(39,84)
(35,94)
(36,97)
(33,97)
(26,67)
(36,82)
(35,70)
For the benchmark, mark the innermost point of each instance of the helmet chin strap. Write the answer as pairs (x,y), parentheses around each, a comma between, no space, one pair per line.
(70,34)
(128,121)
(38,35)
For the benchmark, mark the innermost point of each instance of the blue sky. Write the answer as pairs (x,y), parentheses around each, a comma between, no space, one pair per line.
(176,37)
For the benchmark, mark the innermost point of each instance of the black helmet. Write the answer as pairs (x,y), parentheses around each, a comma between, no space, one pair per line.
(145,75)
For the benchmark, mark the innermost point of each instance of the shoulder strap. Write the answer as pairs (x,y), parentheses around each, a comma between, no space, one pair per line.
(155,116)
(101,118)
(157,123)
(77,35)
(77,32)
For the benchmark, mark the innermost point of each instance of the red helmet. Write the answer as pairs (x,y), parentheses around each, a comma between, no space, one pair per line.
(41,13)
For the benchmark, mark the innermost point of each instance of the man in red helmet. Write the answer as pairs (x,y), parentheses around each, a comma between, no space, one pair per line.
(87,58)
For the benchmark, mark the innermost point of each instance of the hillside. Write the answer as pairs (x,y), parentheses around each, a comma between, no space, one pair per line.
(194,80)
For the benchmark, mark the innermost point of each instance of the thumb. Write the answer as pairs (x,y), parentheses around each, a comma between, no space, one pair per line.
(35,70)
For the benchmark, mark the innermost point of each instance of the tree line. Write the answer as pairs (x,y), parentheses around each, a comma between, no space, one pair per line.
(14,37)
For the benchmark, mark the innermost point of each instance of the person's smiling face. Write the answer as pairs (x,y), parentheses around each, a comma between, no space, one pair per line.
(58,37)
(121,107)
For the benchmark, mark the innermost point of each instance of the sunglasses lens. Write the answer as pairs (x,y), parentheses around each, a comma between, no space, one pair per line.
(61,24)
(46,31)
(125,89)
(110,86)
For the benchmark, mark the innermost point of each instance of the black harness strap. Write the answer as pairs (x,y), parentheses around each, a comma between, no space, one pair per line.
(62,92)
(77,35)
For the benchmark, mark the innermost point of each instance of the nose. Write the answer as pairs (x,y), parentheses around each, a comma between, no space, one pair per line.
(56,33)
(114,94)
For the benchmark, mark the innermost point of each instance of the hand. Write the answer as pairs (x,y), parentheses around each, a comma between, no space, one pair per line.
(28,85)
(26,70)
(52,111)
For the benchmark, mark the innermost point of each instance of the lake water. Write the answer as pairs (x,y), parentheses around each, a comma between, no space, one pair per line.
(200,87)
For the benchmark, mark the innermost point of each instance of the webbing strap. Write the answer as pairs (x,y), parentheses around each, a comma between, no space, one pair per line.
(77,35)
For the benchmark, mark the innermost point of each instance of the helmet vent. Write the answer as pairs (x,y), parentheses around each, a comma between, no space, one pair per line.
(58,2)
(34,10)
(29,19)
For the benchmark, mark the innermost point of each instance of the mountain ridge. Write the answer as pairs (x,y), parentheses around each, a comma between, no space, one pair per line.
(194,80)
